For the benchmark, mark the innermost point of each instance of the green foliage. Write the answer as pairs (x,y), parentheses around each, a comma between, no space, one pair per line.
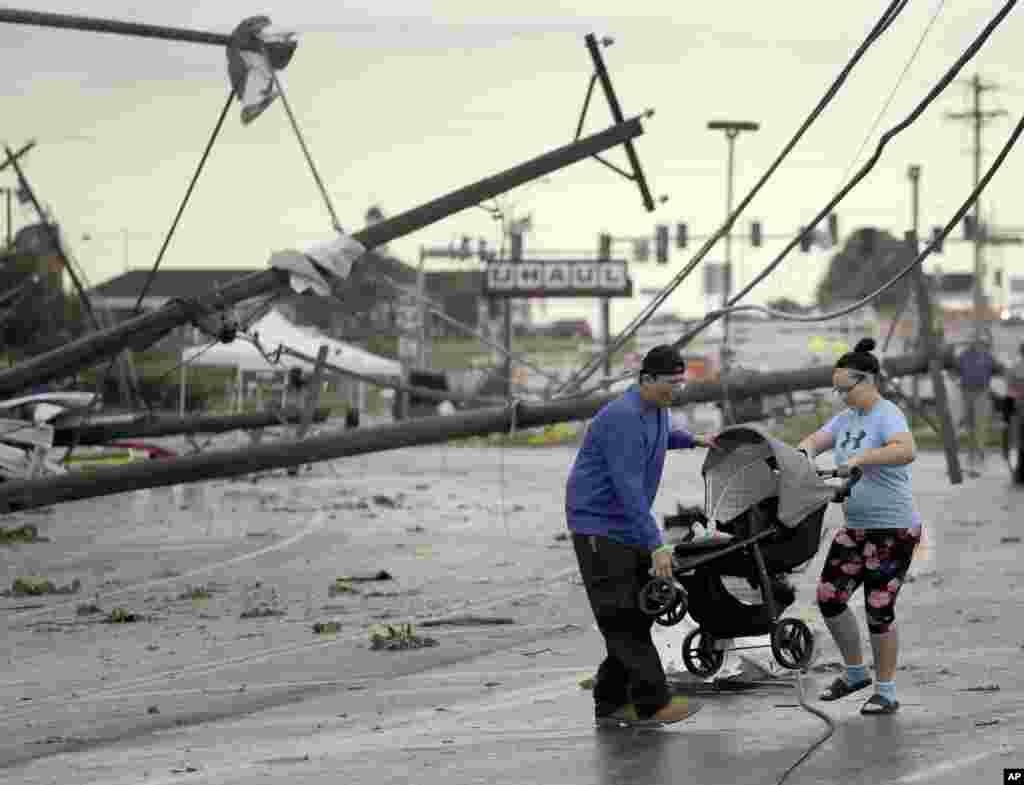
(869,257)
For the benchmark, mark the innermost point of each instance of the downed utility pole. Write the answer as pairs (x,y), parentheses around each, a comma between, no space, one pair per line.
(91,434)
(146,329)
(91,24)
(932,350)
(105,481)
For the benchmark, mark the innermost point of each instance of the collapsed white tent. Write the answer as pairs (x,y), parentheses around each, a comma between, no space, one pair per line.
(274,330)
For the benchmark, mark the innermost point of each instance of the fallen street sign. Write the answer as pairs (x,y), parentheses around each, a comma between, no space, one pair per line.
(558,278)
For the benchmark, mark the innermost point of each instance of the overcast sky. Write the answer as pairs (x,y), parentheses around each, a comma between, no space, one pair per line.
(402,101)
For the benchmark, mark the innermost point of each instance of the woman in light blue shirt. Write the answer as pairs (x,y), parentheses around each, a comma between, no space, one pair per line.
(876,546)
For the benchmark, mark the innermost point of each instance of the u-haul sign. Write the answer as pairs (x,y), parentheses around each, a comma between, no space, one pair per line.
(558,279)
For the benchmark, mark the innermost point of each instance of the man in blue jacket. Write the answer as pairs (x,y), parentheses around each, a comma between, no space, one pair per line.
(609,494)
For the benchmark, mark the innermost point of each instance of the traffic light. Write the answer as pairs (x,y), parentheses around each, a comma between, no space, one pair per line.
(970,227)
(661,244)
(805,240)
(937,239)
(515,246)
(641,249)
(604,246)
(833,228)
(755,234)
(682,235)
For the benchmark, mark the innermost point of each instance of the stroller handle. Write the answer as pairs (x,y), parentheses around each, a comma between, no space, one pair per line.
(849,473)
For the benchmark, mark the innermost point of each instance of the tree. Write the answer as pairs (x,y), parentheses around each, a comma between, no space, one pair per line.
(786,305)
(870,257)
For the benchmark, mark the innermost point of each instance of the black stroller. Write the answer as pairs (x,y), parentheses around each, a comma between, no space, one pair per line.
(768,503)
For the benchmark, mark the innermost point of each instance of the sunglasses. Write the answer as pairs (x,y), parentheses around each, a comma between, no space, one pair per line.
(677,379)
(845,390)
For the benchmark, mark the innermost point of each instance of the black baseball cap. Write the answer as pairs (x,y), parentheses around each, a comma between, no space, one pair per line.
(663,359)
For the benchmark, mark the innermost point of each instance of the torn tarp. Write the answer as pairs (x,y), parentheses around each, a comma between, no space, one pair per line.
(322,266)
(252,59)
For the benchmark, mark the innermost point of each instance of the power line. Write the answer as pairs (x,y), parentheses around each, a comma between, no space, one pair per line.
(978,118)
(891,12)
(972,199)
(940,86)
(895,89)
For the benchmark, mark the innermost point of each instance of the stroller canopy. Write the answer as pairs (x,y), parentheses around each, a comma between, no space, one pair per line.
(751,466)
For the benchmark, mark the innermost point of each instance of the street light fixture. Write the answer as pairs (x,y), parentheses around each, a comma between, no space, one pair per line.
(732,130)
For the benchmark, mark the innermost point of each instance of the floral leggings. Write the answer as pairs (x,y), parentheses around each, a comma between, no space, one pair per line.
(878,558)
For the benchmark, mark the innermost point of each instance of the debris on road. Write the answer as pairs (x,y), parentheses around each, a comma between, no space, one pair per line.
(33,586)
(380,575)
(391,637)
(22,534)
(123,616)
(260,611)
(467,620)
(982,688)
(341,586)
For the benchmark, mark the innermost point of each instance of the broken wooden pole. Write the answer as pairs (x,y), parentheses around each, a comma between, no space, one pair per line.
(92,24)
(86,351)
(219,464)
(93,434)
(933,350)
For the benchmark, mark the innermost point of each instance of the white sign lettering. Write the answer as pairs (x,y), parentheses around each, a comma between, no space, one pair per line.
(558,278)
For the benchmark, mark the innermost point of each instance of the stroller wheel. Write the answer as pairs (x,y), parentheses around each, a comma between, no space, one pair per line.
(658,596)
(793,644)
(700,655)
(676,613)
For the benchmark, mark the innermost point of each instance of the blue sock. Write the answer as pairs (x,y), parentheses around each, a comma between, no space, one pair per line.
(887,689)
(856,674)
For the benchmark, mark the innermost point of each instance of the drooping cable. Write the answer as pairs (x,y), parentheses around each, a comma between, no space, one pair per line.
(891,12)
(939,87)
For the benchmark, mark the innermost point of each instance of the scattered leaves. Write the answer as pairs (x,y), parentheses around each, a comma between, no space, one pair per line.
(122,616)
(22,534)
(34,586)
(395,637)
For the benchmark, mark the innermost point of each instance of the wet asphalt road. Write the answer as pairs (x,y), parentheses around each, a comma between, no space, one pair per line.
(197,694)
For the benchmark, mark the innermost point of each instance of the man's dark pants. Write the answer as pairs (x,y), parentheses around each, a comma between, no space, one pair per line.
(613,575)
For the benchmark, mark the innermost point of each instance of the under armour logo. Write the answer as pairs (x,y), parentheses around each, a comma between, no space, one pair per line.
(855,440)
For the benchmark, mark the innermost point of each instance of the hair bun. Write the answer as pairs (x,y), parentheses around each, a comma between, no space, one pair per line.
(865,345)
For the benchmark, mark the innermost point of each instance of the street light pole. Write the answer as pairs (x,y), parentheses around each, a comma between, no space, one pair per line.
(421,338)
(732,130)
(7,194)
(914,174)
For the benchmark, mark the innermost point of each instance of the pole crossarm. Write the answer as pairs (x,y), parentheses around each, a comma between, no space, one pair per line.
(105,481)
(602,76)
(12,158)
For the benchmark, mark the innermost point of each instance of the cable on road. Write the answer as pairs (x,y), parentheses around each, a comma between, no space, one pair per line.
(817,713)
